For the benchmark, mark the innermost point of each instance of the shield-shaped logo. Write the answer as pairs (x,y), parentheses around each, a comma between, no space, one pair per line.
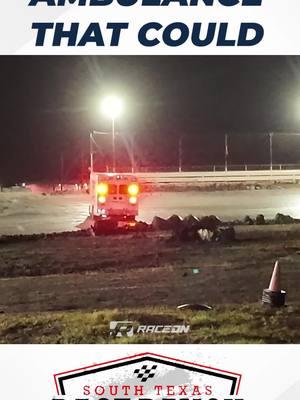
(149,376)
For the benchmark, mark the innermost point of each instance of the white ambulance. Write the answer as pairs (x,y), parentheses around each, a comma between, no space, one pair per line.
(115,199)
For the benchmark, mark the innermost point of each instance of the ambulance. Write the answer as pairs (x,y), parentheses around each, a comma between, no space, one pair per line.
(114,203)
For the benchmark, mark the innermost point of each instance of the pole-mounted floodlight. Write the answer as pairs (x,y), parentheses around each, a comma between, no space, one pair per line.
(112,107)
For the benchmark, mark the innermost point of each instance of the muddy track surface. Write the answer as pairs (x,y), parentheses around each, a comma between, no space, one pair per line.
(143,270)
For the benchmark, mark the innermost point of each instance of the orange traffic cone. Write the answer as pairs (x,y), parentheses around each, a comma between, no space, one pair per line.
(274,296)
(275,280)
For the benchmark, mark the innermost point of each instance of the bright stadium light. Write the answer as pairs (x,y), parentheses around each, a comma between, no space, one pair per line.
(112,107)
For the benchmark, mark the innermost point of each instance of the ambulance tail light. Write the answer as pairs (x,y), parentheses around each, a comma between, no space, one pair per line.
(132,200)
(102,199)
(102,189)
(133,190)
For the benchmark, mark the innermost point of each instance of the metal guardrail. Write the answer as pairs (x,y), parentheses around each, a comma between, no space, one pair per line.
(209,168)
(220,176)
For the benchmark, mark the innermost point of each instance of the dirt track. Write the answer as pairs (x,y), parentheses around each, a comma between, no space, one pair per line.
(108,272)
(26,213)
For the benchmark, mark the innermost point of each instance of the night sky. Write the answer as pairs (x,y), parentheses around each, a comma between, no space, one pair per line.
(50,104)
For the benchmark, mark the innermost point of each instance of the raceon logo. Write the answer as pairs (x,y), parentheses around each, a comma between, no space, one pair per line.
(147,376)
(121,328)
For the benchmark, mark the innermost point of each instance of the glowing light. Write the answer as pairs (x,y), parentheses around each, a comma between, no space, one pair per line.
(102,189)
(132,200)
(102,199)
(112,106)
(133,189)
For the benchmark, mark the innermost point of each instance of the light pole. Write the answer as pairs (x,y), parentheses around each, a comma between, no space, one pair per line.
(180,154)
(92,142)
(91,154)
(91,162)
(226,153)
(112,107)
(271,150)
(132,145)
(62,170)
(113,145)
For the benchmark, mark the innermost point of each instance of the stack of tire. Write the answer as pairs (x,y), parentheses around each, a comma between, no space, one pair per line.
(192,228)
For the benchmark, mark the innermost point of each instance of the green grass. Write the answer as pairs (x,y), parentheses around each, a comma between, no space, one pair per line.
(225,324)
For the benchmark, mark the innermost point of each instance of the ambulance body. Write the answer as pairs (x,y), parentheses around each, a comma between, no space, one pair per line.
(114,201)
